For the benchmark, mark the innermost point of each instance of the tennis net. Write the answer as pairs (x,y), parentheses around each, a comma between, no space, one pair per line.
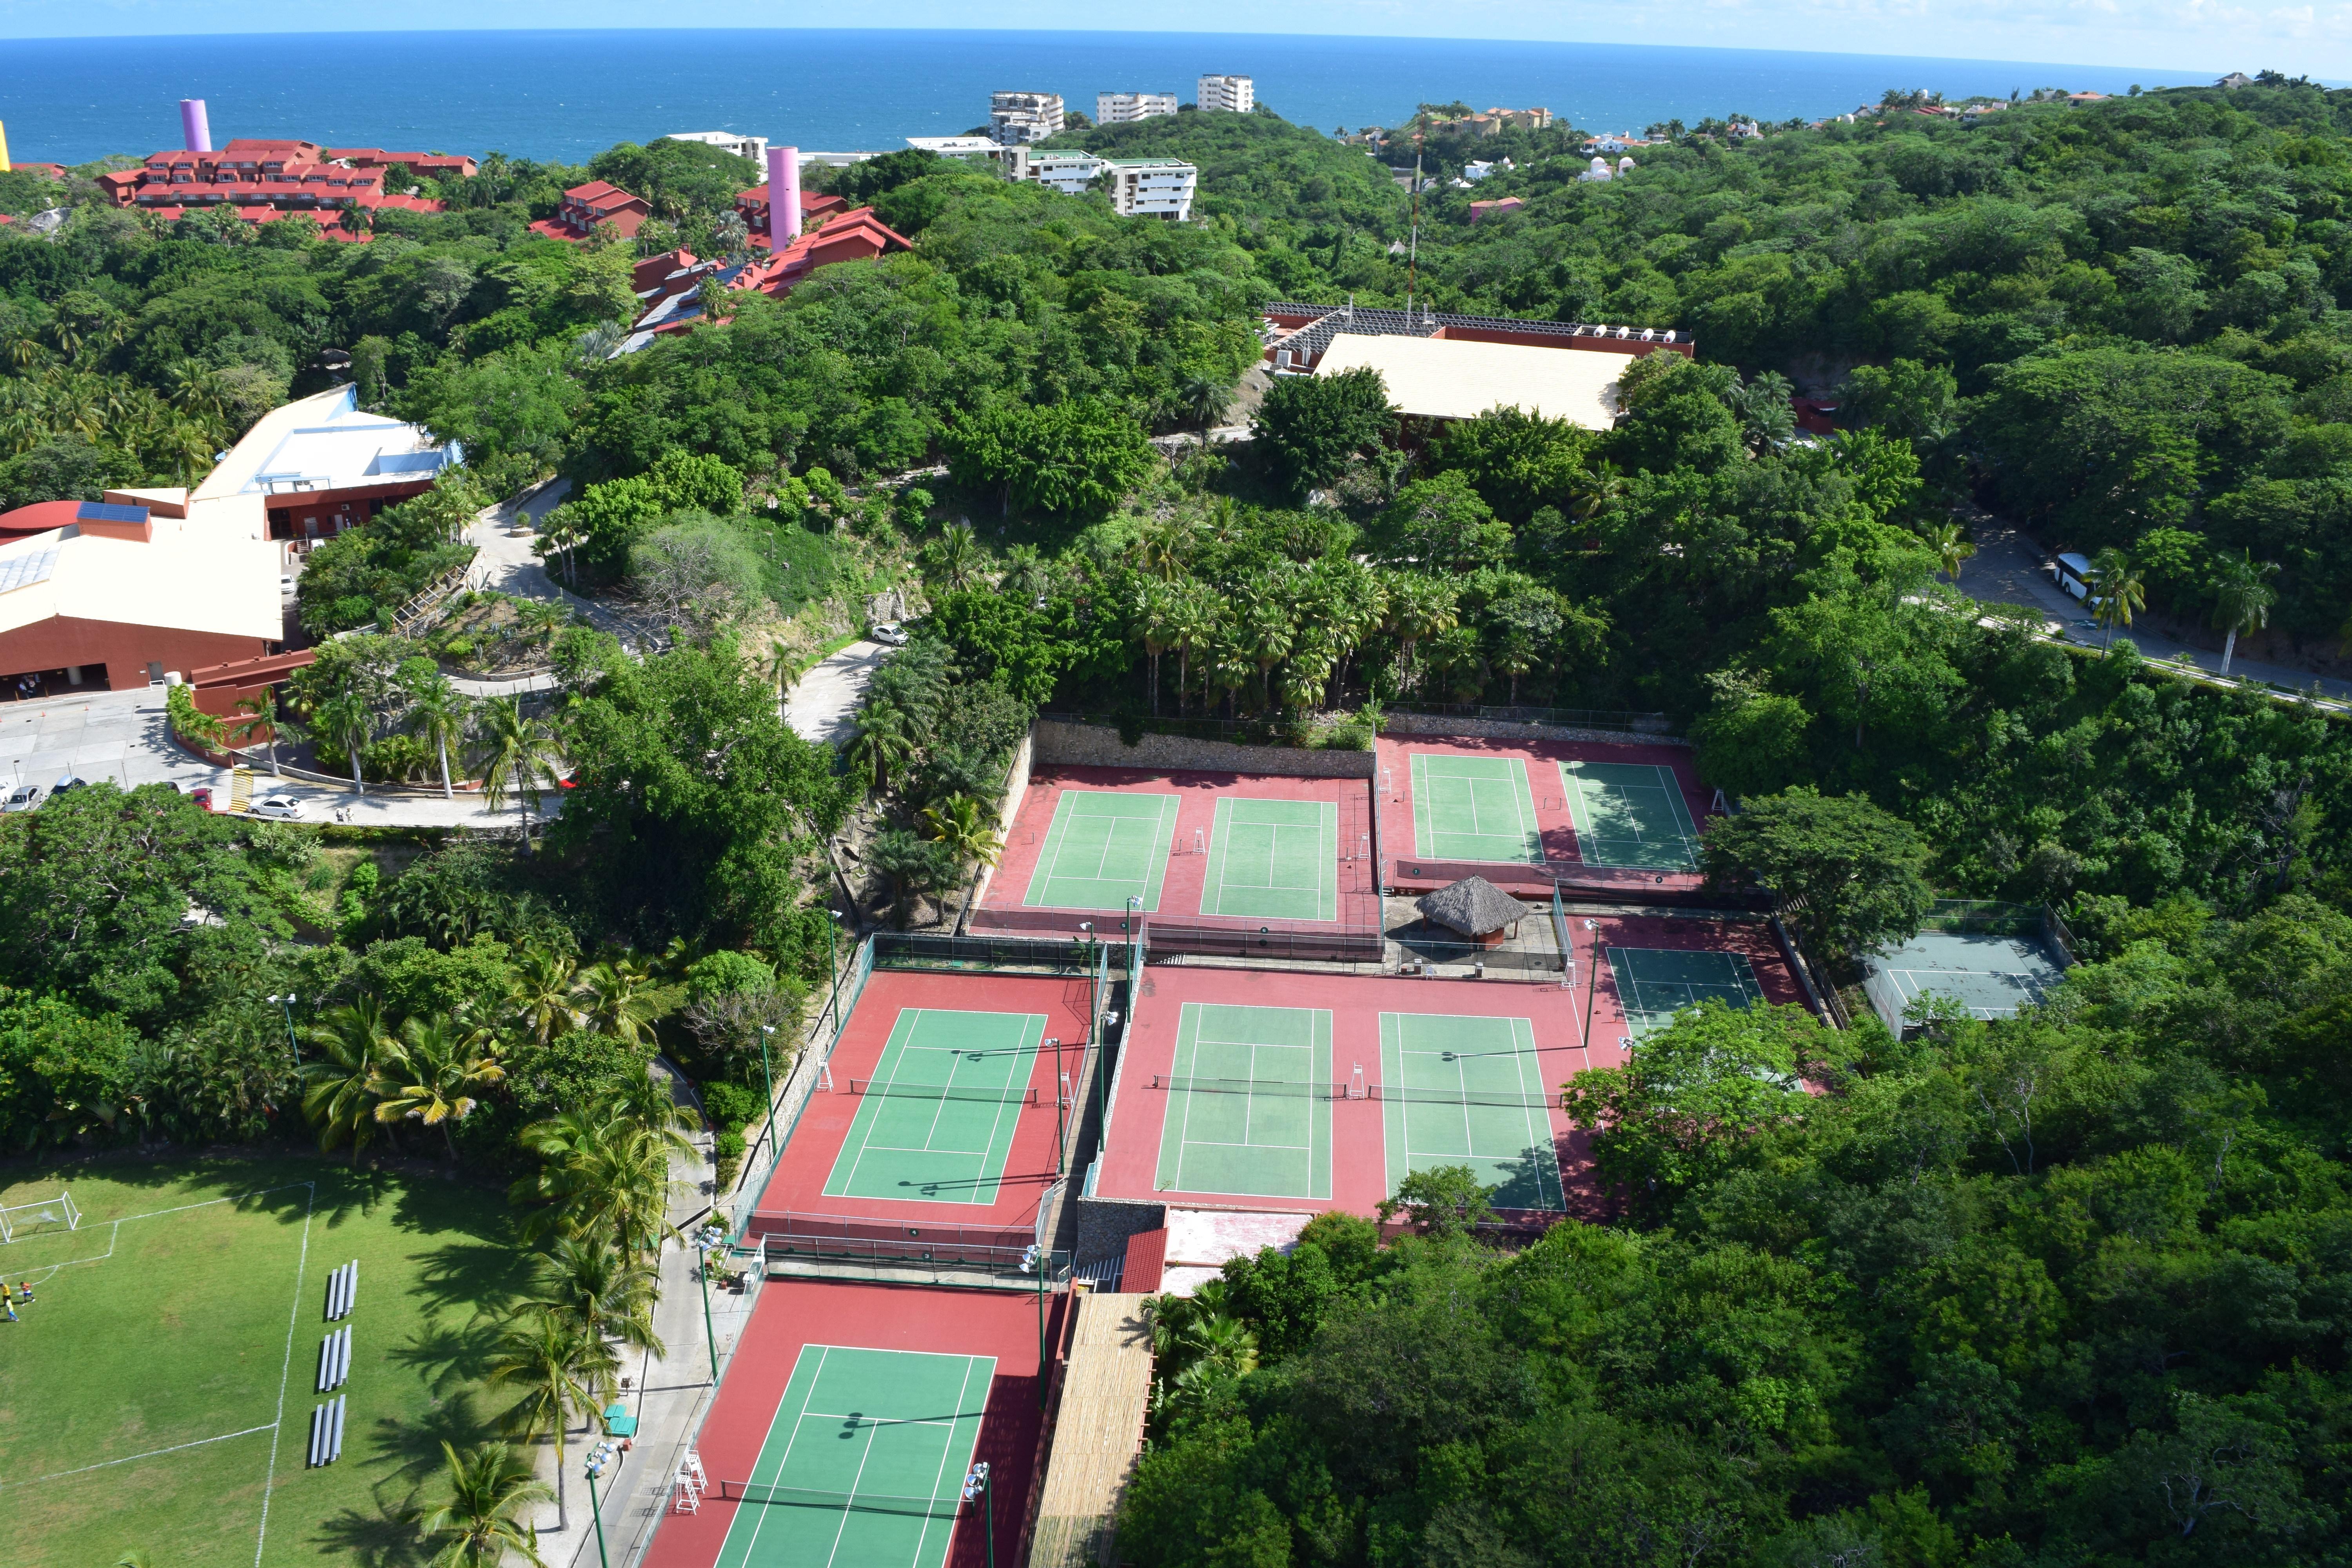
(943,1092)
(1375,1091)
(837,1502)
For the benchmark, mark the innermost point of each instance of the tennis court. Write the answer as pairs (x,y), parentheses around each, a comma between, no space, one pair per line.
(1103,848)
(1630,814)
(1654,984)
(1464,1090)
(936,1119)
(1272,859)
(863,1464)
(1992,976)
(1249,1102)
(1473,808)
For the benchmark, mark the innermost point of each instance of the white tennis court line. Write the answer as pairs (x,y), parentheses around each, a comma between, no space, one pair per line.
(958,1056)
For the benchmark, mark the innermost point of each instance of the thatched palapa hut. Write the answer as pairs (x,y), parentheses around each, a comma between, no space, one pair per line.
(1474,907)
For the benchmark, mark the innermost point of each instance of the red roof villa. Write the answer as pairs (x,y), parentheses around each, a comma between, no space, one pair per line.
(262,179)
(585,206)
(670,284)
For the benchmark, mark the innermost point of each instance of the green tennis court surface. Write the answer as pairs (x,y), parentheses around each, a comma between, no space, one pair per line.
(936,1119)
(1274,859)
(1251,1111)
(1102,849)
(1630,814)
(864,1463)
(1472,1093)
(1654,984)
(1473,808)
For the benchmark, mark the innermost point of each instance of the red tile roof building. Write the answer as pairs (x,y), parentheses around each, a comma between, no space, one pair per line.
(669,285)
(440,165)
(815,207)
(260,179)
(585,206)
(54,171)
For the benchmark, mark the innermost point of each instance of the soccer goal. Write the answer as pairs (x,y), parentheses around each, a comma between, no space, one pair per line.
(49,1214)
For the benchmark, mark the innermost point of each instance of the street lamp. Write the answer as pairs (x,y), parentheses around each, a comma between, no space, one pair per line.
(707,1241)
(976,1484)
(1591,989)
(288,1002)
(833,957)
(768,1072)
(1060,1133)
(598,1457)
(1034,1259)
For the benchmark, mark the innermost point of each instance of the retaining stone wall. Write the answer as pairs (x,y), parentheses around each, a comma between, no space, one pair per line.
(1497,729)
(1058,741)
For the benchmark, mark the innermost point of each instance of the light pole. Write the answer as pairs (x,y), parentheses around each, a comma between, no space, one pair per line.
(597,1458)
(1591,989)
(768,1073)
(833,957)
(976,1484)
(287,1001)
(1088,927)
(1058,1129)
(707,1241)
(1034,1259)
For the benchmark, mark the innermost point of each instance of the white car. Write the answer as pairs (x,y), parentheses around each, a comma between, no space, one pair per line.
(889,633)
(285,807)
(14,797)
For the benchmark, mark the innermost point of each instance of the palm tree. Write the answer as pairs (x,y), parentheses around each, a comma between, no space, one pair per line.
(603,1172)
(607,994)
(961,824)
(430,1081)
(492,1489)
(521,757)
(2122,591)
(1269,635)
(346,718)
(357,1049)
(542,618)
(1155,623)
(1420,607)
(1161,547)
(542,993)
(1027,575)
(1205,398)
(781,664)
(646,1099)
(2242,598)
(881,743)
(437,713)
(1952,547)
(1193,621)
(262,714)
(954,558)
(586,1282)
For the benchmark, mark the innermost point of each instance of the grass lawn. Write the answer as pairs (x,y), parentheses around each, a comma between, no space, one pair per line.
(158,1392)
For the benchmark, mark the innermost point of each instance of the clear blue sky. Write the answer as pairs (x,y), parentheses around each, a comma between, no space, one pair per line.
(2182,35)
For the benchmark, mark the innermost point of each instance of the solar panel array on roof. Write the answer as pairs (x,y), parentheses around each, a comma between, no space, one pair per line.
(32,561)
(104,511)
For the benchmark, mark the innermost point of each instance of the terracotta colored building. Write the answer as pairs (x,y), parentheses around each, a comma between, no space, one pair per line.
(585,206)
(815,207)
(670,284)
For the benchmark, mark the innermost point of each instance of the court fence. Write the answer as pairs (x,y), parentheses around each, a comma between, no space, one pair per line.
(807,1067)
(790,1235)
(928,950)
(1564,718)
(1106,923)
(1286,939)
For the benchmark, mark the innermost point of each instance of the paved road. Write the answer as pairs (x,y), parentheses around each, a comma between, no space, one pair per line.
(819,705)
(504,537)
(124,737)
(2008,569)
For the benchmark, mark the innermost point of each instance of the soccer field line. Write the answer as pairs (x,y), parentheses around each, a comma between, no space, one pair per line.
(286,1373)
(114,1229)
(135,1458)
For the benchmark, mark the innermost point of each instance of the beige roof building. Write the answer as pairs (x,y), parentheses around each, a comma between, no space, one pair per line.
(1442,378)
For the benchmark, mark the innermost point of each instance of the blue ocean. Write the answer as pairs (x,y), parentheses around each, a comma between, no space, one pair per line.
(564,94)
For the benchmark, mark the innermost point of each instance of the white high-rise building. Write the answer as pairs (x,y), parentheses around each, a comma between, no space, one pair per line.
(1116,107)
(1138,188)
(1023,117)
(1238,93)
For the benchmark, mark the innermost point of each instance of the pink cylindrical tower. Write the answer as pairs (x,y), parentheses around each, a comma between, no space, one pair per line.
(194,129)
(784,195)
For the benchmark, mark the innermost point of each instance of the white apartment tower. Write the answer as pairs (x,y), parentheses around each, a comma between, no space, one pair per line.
(1116,108)
(1237,93)
(1015,117)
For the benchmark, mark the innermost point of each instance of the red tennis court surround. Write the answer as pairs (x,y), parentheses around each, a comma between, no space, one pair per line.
(1408,873)
(1003,906)
(1359,1160)
(799,1180)
(796,1312)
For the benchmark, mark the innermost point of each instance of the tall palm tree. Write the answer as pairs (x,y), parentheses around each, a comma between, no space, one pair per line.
(432,1079)
(882,743)
(603,1172)
(607,996)
(954,556)
(1155,623)
(261,711)
(2122,591)
(961,824)
(781,664)
(438,713)
(585,1281)
(540,619)
(1269,634)
(520,756)
(1952,547)
(492,1490)
(543,992)
(2242,598)
(1028,575)
(1205,398)
(1160,548)
(346,718)
(1418,608)
(356,1049)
